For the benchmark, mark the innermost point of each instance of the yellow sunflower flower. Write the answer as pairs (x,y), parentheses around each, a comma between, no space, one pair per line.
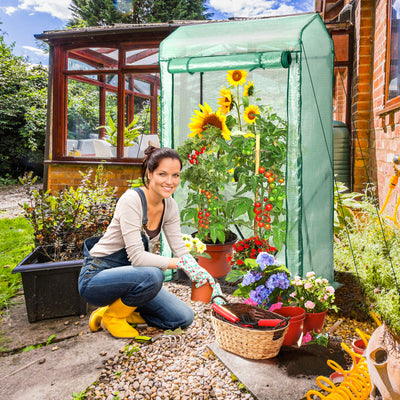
(207,117)
(225,101)
(237,77)
(250,114)
(249,89)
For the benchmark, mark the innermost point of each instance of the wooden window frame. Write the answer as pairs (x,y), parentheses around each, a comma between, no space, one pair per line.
(61,75)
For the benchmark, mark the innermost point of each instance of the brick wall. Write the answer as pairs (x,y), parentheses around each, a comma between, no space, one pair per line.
(62,175)
(361,108)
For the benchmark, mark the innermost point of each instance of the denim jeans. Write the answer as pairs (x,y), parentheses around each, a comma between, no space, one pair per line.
(103,280)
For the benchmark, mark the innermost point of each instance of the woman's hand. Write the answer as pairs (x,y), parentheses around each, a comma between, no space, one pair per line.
(172,263)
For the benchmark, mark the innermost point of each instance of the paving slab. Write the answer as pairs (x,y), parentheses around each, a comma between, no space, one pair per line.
(69,364)
(289,376)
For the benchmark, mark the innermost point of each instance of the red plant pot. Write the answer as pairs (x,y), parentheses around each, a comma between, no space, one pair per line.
(358,346)
(297,316)
(314,322)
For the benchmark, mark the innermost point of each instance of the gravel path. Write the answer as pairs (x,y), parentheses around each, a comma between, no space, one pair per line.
(10,198)
(186,369)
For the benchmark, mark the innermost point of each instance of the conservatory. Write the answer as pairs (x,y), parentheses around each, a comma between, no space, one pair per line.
(289,62)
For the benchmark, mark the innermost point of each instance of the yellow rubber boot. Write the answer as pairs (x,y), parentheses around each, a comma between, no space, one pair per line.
(135,318)
(114,320)
(95,318)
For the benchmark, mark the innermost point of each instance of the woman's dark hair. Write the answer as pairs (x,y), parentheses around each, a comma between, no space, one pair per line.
(153,157)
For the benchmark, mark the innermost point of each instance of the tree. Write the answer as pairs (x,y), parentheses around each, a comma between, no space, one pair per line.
(109,12)
(23,97)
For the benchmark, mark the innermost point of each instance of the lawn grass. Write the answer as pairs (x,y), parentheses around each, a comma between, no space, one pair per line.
(16,242)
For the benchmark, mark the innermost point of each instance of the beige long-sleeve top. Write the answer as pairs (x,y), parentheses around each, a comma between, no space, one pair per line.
(125,227)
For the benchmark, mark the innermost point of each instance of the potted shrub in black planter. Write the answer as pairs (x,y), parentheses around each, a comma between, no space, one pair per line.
(61,223)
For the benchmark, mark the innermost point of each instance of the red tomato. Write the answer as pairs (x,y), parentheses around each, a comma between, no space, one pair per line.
(261,170)
(269,207)
(261,224)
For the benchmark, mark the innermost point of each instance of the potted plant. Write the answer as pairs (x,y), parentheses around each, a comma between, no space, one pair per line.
(316,296)
(61,222)
(206,165)
(224,151)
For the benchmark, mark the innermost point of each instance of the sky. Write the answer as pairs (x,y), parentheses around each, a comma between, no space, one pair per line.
(22,19)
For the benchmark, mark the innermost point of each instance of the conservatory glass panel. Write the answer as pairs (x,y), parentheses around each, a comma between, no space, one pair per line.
(92,58)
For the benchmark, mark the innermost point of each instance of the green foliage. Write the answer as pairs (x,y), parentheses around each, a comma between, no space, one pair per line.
(369,249)
(37,346)
(62,221)
(131,132)
(206,208)
(23,98)
(16,240)
(79,396)
(109,12)
(345,203)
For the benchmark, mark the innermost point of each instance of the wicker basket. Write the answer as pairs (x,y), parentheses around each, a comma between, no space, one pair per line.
(260,343)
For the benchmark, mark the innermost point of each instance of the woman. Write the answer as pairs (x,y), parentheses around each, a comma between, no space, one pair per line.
(120,273)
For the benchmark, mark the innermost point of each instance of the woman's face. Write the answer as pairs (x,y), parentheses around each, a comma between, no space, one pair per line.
(164,180)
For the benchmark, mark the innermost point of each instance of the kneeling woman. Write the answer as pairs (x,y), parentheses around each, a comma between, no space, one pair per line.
(120,272)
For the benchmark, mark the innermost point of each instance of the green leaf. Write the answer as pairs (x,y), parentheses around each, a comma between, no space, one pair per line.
(235,275)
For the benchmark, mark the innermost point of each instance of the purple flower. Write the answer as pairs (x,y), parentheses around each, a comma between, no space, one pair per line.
(264,259)
(260,295)
(279,280)
(251,277)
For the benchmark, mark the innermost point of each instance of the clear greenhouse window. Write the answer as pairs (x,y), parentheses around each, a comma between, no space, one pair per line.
(244,106)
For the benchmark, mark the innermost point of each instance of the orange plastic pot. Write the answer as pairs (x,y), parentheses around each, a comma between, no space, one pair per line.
(297,316)
(202,293)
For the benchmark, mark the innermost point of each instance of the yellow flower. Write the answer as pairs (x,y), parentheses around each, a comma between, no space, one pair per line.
(249,89)
(225,101)
(237,77)
(207,117)
(250,114)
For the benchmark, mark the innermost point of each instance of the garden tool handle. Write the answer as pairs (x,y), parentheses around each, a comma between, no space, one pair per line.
(224,312)
(269,322)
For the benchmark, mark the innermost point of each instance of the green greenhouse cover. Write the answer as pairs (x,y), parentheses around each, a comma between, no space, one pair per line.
(252,36)
(290,60)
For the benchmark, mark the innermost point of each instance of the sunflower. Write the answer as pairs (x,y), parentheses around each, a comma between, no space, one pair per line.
(249,89)
(237,77)
(250,114)
(206,117)
(225,101)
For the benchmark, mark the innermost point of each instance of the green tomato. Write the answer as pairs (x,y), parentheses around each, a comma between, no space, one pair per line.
(271,199)
(272,185)
(280,198)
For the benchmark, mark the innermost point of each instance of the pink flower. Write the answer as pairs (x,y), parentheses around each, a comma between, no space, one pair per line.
(275,306)
(309,305)
(319,281)
(292,295)
(306,338)
(250,301)
(310,274)
(330,289)
(307,285)
(325,297)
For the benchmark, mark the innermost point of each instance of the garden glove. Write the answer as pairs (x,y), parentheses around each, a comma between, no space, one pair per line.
(199,275)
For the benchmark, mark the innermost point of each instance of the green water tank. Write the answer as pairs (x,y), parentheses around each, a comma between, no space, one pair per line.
(341,153)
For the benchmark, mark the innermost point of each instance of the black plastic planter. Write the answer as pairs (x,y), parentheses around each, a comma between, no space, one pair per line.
(50,287)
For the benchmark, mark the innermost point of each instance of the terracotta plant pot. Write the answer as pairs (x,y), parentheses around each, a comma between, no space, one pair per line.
(314,322)
(218,266)
(383,359)
(297,316)
(202,293)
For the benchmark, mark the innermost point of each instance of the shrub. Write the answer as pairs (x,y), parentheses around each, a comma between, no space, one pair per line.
(62,221)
